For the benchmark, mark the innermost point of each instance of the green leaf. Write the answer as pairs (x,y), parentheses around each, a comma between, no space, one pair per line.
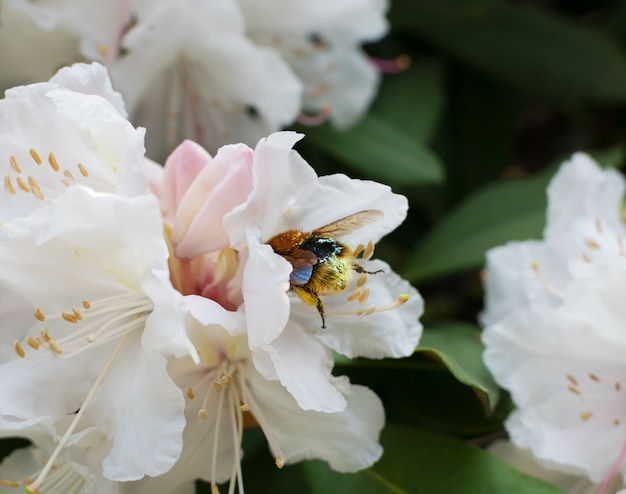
(379,150)
(523,46)
(458,347)
(421,462)
(412,101)
(494,215)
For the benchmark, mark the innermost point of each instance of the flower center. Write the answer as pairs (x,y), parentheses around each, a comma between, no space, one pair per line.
(64,478)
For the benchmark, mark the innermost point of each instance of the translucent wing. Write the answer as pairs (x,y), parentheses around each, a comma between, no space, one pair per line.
(302,262)
(347,225)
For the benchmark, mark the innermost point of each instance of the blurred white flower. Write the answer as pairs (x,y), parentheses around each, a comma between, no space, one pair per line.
(555,337)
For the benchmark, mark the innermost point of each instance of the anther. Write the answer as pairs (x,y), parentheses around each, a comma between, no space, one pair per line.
(69,317)
(35,155)
(217,385)
(571,379)
(617,386)
(78,315)
(586,415)
(369,250)
(202,414)
(314,120)
(53,162)
(592,244)
(9,483)
(398,64)
(54,347)
(19,349)
(593,377)
(86,304)
(45,335)
(364,295)
(68,174)
(244,408)
(280,461)
(14,164)
(215,489)
(599,225)
(353,296)
(83,170)
(8,186)
(189,392)
(573,390)
(22,185)
(616,422)
(358,250)
(362,280)
(33,343)
(586,258)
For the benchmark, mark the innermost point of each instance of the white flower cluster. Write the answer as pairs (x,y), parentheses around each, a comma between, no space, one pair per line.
(217,72)
(150,314)
(555,335)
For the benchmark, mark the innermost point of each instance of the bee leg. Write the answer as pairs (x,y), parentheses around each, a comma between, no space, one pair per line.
(359,269)
(310,298)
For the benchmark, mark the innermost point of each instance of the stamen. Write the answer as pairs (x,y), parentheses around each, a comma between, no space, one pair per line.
(280,461)
(393,66)
(356,294)
(400,301)
(54,347)
(574,390)
(36,485)
(586,415)
(35,155)
(592,244)
(39,315)
(369,251)
(68,174)
(52,159)
(83,170)
(8,186)
(189,392)
(593,377)
(69,317)
(358,250)
(572,379)
(599,225)
(22,185)
(86,304)
(315,120)
(34,344)
(550,288)
(77,314)
(14,164)
(362,280)
(9,483)
(216,436)
(19,349)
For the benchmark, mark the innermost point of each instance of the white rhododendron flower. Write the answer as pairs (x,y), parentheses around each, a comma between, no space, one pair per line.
(52,137)
(225,393)
(555,337)
(321,42)
(190,71)
(93,318)
(370,316)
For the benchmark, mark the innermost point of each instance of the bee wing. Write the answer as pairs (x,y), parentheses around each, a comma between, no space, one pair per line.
(302,262)
(347,225)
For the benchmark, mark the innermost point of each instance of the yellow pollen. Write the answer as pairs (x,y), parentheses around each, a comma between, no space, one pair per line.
(19,349)
(363,297)
(573,390)
(8,186)
(571,379)
(22,185)
(369,250)
(244,408)
(78,315)
(14,164)
(33,343)
(83,170)
(35,155)
(593,377)
(52,159)
(202,415)
(45,335)
(68,174)
(280,461)
(54,347)
(86,304)
(9,483)
(592,244)
(358,250)
(362,280)
(39,315)
(189,392)
(69,317)
(353,296)
(586,415)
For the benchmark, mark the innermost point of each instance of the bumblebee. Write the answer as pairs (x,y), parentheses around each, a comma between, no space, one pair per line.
(321,264)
